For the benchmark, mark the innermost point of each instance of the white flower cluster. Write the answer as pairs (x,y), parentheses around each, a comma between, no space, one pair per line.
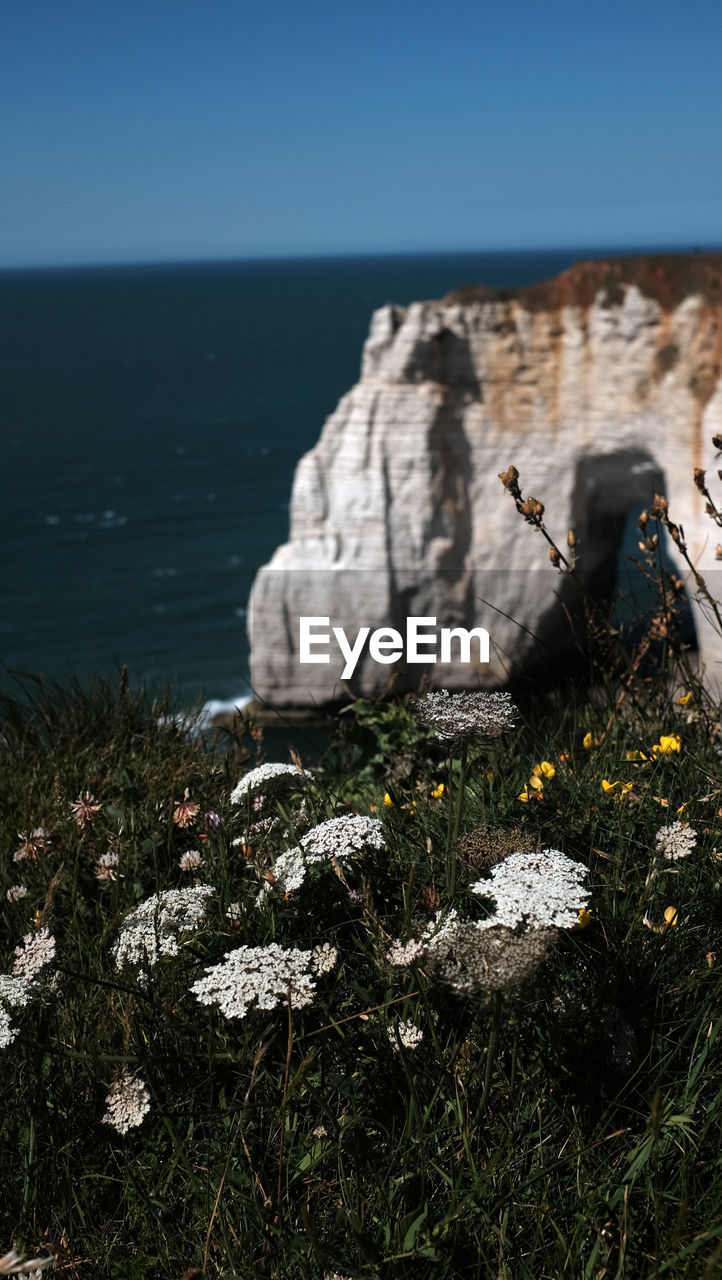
(190,861)
(324,958)
(128,1103)
(16,893)
(106,868)
(13,992)
(536,890)
(408,1033)
(152,929)
(472,958)
(35,952)
(265,774)
(400,955)
(343,837)
(458,716)
(264,976)
(676,841)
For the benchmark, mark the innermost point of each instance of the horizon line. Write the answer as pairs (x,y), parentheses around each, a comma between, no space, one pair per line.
(592,251)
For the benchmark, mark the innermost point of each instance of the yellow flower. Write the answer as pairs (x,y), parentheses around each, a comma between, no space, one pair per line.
(671,915)
(545,769)
(438,792)
(668,742)
(524,795)
(608,786)
(685,700)
(589,741)
(636,755)
(536,783)
(388,801)
(584,919)
(682,808)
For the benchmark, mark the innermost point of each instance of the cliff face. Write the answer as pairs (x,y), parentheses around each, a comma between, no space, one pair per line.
(601,386)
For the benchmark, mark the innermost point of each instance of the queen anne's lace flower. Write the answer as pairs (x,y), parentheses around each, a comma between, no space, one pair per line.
(408,1033)
(152,930)
(264,976)
(536,890)
(458,716)
(35,952)
(343,838)
(128,1103)
(400,955)
(676,841)
(324,958)
(13,992)
(265,774)
(471,958)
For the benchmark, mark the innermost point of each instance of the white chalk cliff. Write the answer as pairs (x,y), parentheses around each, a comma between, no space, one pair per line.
(601,386)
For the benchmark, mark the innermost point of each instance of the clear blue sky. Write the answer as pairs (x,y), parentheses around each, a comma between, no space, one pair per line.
(136,130)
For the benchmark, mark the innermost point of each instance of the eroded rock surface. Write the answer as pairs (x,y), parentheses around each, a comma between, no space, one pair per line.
(602,386)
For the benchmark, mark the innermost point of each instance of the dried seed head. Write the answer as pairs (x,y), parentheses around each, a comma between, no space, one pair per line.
(658,507)
(643,519)
(700,478)
(509,478)
(555,557)
(571,539)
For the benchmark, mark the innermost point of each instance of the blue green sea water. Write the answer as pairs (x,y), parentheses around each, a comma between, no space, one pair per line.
(151,419)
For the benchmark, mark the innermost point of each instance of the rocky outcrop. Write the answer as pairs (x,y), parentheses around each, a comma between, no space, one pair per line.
(602,386)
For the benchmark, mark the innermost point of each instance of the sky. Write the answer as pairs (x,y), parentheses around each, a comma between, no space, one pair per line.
(162,130)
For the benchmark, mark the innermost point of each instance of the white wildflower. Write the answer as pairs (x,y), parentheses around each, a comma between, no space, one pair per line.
(408,1033)
(458,716)
(402,954)
(471,958)
(342,838)
(128,1103)
(289,871)
(16,893)
(190,861)
(35,952)
(676,841)
(324,958)
(13,992)
(257,975)
(106,868)
(234,912)
(535,890)
(152,930)
(264,774)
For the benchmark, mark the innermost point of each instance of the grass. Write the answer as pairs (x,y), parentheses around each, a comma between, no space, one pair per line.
(569,1128)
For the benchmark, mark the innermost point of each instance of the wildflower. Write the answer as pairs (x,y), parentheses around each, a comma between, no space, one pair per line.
(668,743)
(106,868)
(13,992)
(324,958)
(265,976)
(16,892)
(85,810)
(400,955)
(685,700)
(190,861)
(536,890)
(526,794)
(584,919)
(12,1264)
(213,819)
(343,837)
(671,916)
(589,741)
(31,844)
(152,930)
(408,1033)
(185,811)
(473,959)
(611,786)
(128,1103)
(456,717)
(676,841)
(36,951)
(265,774)
(544,770)
(234,912)
(438,792)
(388,802)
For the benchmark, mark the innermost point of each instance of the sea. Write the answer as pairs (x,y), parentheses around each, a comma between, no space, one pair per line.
(151,419)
